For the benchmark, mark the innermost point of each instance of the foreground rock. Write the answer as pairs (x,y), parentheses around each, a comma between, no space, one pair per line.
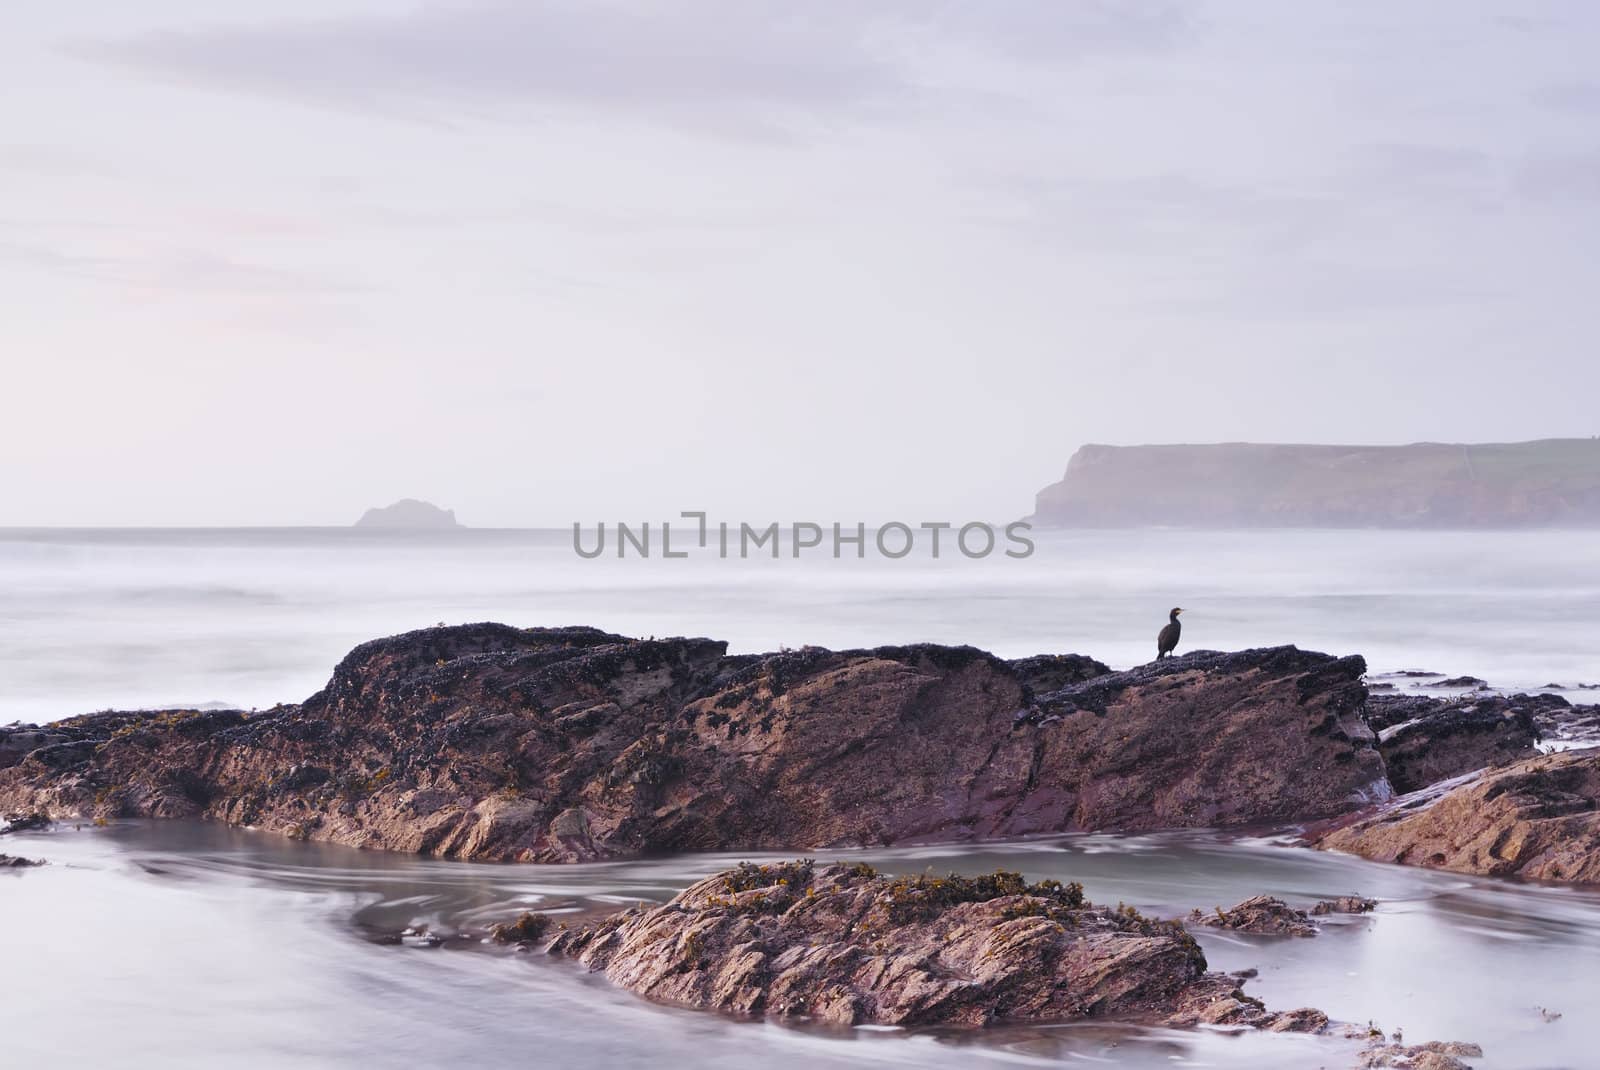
(1425,740)
(1263,915)
(527,929)
(552,745)
(1565,723)
(13,862)
(1345,904)
(842,945)
(22,822)
(1538,819)
(1434,1055)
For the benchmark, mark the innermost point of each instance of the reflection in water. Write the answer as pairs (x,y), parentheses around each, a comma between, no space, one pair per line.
(174,944)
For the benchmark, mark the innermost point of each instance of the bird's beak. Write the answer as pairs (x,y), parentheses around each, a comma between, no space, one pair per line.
(1180,611)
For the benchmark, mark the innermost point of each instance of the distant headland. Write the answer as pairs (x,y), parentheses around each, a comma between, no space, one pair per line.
(1547,483)
(409,513)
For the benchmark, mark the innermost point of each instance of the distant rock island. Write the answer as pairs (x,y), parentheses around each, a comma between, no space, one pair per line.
(409,513)
(1547,483)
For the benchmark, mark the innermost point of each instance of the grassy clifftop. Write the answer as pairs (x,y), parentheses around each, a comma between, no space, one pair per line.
(1547,483)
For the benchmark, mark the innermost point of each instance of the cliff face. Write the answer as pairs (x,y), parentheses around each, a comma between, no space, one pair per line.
(486,741)
(1552,482)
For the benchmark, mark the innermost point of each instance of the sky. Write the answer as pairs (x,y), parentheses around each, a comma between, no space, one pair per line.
(562,260)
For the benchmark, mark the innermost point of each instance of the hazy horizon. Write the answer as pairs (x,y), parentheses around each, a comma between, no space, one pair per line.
(557,261)
(614,517)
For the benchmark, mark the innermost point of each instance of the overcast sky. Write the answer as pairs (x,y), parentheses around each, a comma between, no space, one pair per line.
(545,261)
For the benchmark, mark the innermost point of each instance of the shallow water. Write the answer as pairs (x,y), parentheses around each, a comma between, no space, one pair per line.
(91,619)
(178,944)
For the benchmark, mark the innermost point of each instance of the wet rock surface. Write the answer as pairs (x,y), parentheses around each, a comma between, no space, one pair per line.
(1434,1055)
(1565,723)
(527,929)
(1465,683)
(1536,819)
(14,862)
(1425,740)
(1263,915)
(23,822)
(842,945)
(492,742)
(1345,904)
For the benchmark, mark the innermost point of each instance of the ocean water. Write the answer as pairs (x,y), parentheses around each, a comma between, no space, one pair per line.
(93,619)
(177,944)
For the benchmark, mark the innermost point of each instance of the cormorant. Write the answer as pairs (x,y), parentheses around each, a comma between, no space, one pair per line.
(1167,641)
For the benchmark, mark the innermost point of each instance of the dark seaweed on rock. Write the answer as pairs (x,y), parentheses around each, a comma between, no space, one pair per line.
(16,862)
(563,744)
(527,929)
(1426,740)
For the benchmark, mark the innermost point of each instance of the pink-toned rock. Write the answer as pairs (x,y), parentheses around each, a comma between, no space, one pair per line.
(559,745)
(1262,915)
(841,944)
(1537,819)
(1345,904)
(1434,1055)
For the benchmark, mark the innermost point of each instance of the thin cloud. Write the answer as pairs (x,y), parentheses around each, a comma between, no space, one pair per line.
(1577,98)
(733,66)
(1053,32)
(52,161)
(1561,177)
(187,271)
(730,60)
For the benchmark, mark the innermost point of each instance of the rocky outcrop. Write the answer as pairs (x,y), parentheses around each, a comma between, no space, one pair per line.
(1434,1055)
(23,822)
(1263,915)
(14,862)
(1538,819)
(491,742)
(1345,904)
(1241,484)
(1562,722)
(1425,740)
(409,513)
(17,742)
(1044,673)
(1201,740)
(528,929)
(842,945)
(1461,683)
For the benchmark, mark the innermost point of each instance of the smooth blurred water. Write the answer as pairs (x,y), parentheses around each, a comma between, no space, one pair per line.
(187,945)
(91,619)
(174,944)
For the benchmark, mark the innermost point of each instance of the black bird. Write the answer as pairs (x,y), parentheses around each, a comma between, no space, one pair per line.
(1167,641)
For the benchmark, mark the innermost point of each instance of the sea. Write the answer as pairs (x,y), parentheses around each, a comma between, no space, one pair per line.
(92,619)
(177,944)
